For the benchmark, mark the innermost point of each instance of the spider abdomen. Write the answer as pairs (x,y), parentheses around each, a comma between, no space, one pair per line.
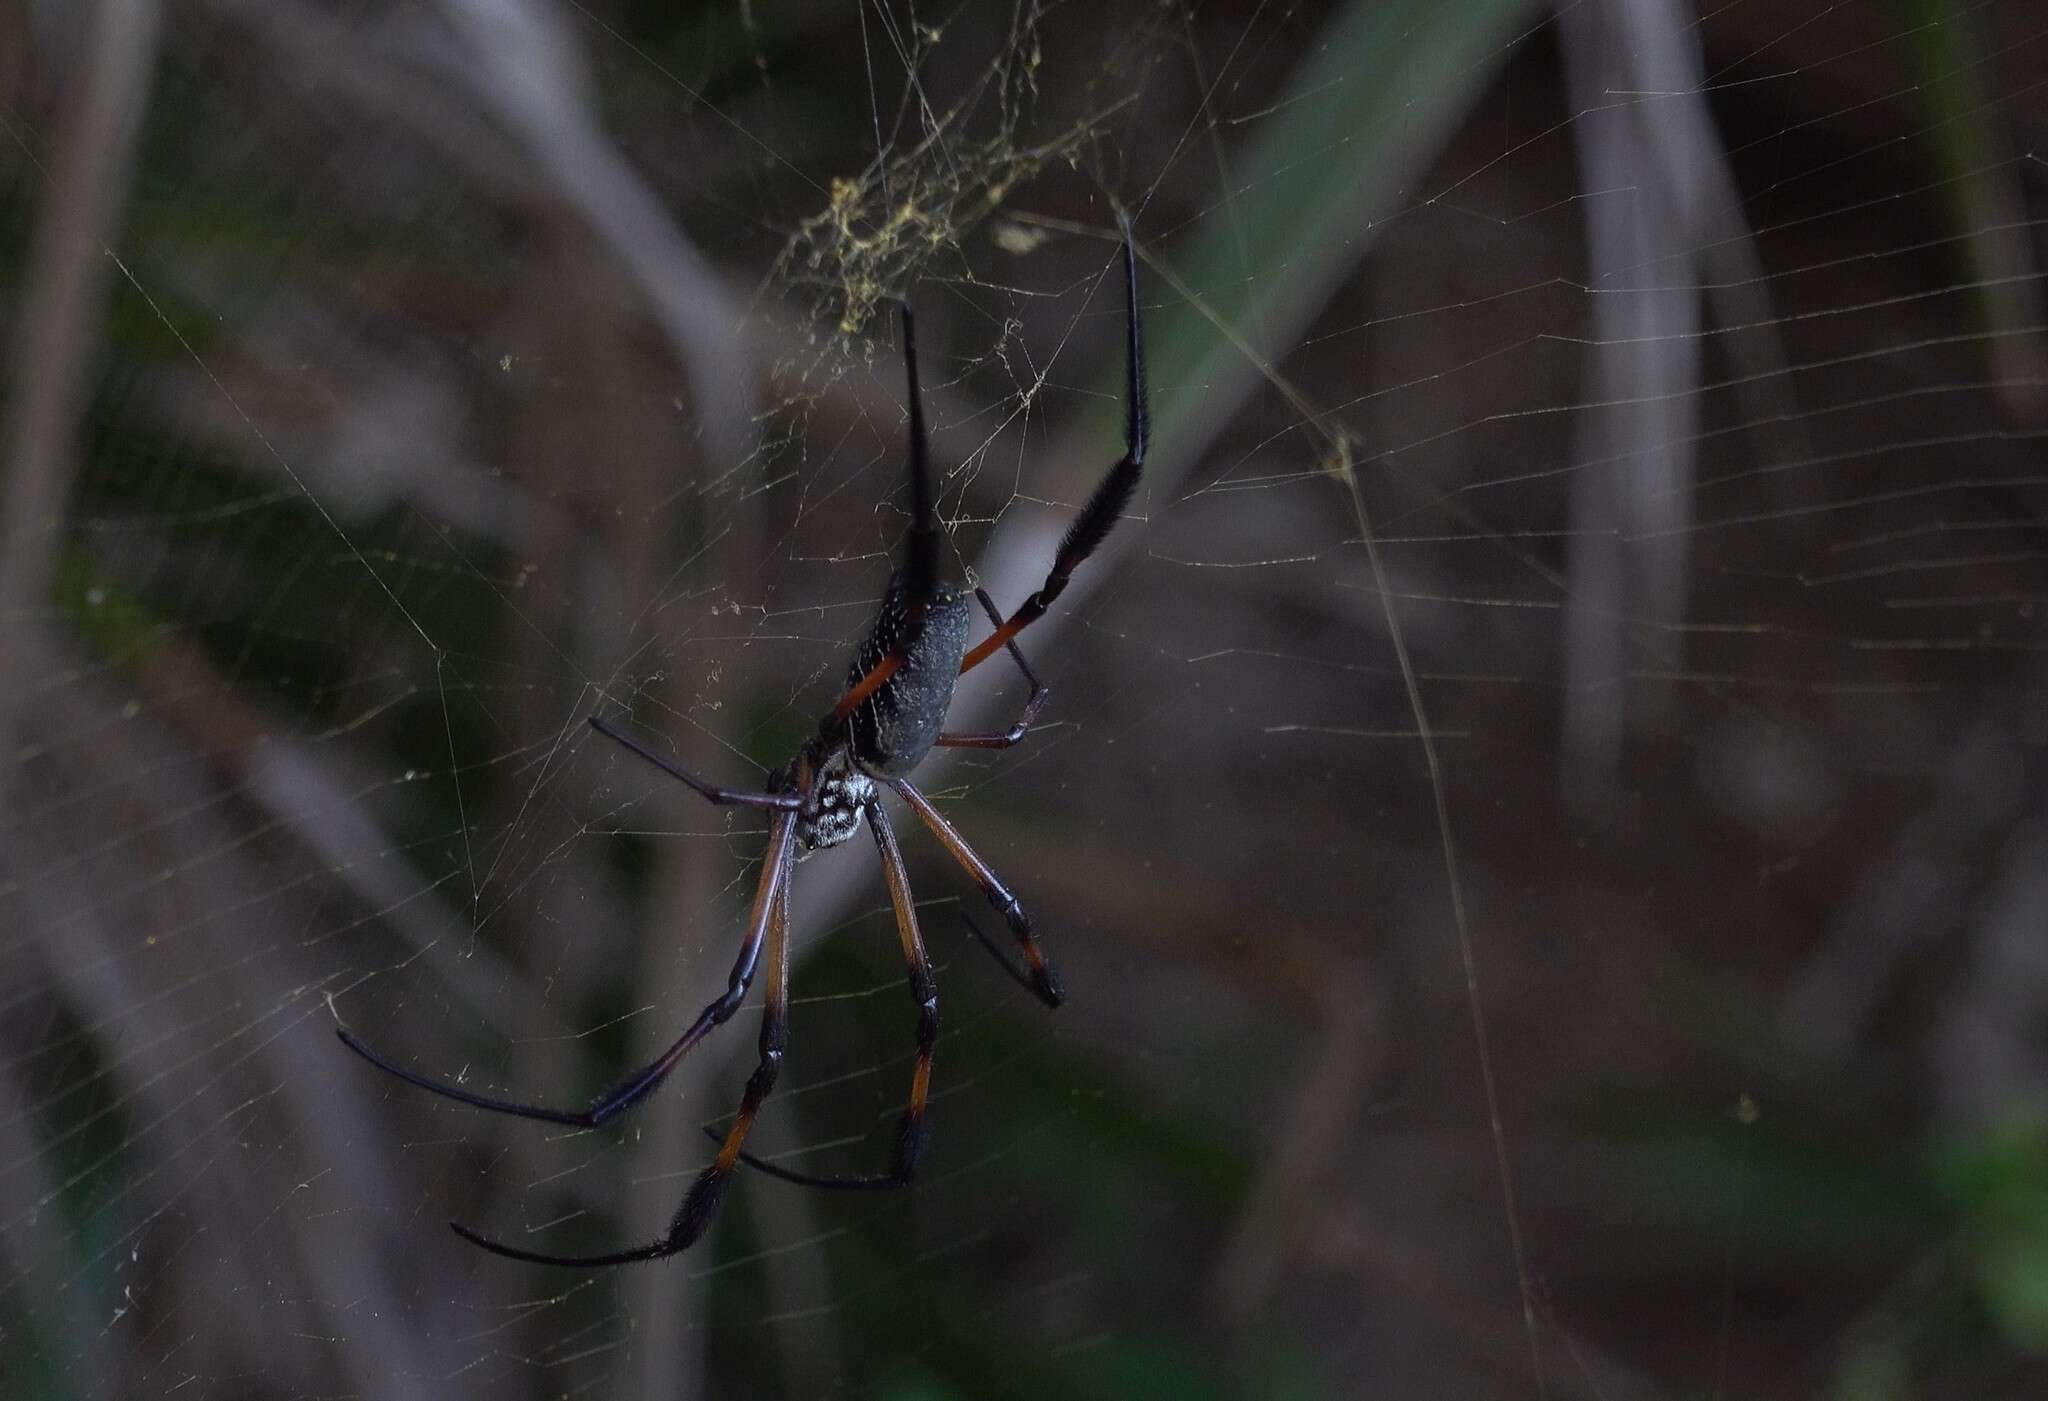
(892,730)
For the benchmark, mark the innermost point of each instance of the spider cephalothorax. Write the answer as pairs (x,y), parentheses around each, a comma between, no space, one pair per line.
(839,796)
(891,714)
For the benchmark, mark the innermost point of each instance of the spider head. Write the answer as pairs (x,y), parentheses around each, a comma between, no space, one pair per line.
(838,800)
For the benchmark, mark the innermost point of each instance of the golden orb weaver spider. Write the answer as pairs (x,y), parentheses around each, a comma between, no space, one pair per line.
(890,716)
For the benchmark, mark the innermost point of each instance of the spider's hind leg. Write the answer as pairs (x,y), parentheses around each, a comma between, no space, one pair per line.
(708,1191)
(767,926)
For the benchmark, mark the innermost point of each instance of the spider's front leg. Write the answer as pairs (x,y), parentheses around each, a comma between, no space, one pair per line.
(1106,503)
(767,926)
(711,792)
(708,1191)
(646,1080)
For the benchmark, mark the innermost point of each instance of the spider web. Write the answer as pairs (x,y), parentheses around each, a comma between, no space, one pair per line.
(1540,811)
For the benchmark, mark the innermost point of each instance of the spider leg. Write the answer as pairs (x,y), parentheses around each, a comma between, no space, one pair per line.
(629,1092)
(1044,978)
(1025,717)
(921,550)
(1003,960)
(712,792)
(642,1082)
(918,576)
(1111,495)
(709,1189)
(768,925)
(911,1134)
(653,1250)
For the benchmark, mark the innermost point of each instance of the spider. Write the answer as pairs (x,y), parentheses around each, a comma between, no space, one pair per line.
(889,717)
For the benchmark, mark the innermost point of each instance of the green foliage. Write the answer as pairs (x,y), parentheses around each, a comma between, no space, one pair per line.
(1996,1182)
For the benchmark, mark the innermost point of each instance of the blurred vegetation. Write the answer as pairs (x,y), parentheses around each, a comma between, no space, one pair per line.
(391,472)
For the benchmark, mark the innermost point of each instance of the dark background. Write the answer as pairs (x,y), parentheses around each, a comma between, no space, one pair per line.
(1541,810)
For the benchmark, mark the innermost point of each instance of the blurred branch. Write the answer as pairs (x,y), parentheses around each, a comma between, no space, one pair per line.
(1656,189)
(522,64)
(309,798)
(68,272)
(329,61)
(1988,1055)
(182,1074)
(1916,888)
(40,1244)
(1283,1209)
(1948,54)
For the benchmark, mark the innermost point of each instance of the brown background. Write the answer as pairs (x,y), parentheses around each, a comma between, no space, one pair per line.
(1648,405)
